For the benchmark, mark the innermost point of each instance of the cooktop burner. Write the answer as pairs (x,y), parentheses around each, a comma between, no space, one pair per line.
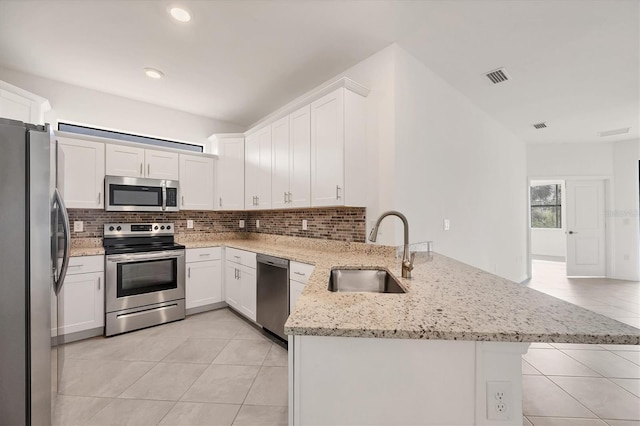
(122,238)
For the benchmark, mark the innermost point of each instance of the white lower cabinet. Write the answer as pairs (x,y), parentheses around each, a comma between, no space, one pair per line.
(298,276)
(82,295)
(203,284)
(240,281)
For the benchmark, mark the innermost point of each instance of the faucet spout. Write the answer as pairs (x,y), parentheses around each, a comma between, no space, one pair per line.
(407,261)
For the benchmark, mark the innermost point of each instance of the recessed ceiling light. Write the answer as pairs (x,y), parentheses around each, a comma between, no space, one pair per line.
(614,132)
(180,14)
(153,73)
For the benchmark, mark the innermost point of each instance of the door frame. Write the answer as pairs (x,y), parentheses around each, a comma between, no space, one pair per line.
(609,222)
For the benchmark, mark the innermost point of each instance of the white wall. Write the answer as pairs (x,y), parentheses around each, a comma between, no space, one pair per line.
(85,106)
(454,161)
(617,161)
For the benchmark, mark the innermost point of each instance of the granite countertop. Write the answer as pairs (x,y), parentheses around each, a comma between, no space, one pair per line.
(445,299)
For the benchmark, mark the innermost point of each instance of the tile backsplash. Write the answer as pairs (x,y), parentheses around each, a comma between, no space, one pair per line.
(335,223)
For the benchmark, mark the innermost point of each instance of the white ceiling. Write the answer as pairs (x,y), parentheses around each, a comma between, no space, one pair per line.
(575,64)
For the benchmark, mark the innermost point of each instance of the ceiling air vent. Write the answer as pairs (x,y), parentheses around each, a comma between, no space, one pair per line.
(614,132)
(541,125)
(498,76)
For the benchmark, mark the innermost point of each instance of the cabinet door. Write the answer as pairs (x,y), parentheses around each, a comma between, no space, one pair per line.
(81,173)
(196,182)
(280,150)
(300,158)
(83,299)
(295,290)
(203,285)
(232,285)
(258,170)
(249,292)
(230,174)
(327,150)
(161,164)
(124,160)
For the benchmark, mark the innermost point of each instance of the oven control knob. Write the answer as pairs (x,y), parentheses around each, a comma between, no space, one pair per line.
(119,228)
(155,227)
(162,227)
(168,227)
(111,228)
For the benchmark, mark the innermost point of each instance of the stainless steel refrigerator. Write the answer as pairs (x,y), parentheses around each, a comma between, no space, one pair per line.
(34,253)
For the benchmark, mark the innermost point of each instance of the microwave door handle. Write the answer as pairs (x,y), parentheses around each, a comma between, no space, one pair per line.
(67,243)
(164,196)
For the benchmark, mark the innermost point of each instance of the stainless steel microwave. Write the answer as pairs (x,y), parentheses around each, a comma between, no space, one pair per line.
(140,195)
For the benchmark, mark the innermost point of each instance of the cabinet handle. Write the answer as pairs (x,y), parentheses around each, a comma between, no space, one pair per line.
(220,202)
(99,279)
(257,200)
(205,254)
(189,272)
(237,257)
(140,169)
(337,192)
(99,197)
(148,170)
(182,197)
(289,196)
(238,273)
(300,273)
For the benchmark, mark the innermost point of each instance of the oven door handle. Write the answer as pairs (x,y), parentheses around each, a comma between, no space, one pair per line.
(139,257)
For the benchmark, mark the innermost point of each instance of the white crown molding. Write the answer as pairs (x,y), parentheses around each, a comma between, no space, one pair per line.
(44,104)
(216,136)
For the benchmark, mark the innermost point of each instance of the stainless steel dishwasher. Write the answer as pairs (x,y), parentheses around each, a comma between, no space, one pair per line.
(273,293)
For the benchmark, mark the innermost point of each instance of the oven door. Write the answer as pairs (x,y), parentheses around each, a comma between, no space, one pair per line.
(140,279)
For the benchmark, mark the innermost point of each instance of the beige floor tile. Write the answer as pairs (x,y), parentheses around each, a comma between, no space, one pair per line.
(632,385)
(201,414)
(577,346)
(540,345)
(606,363)
(131,412)
(529,369)
(152,349)
(108,348)
(541,397)
(199,351)
(247,332)
(269,388)
(257,415)
(565,421)
(83,377)
(616,348)
(526,422)
(277,357)
(622,422)
(243,352)
(211,329)
(602,397)
(219,315)
(631,356)
(76,410)
(165,381)
(225,384)
(556,363)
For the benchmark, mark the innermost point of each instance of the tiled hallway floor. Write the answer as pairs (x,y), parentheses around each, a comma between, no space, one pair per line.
(210,369)
(215,369)
(583,385)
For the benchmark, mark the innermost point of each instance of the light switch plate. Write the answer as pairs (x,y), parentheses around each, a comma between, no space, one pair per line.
(241,223)
(189,224)
(257,223)
(78,226)
(447,225)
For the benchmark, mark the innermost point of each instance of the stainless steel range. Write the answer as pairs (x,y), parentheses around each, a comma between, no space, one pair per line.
(144,275)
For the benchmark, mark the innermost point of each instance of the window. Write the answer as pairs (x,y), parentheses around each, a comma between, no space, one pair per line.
(546,206)
(90,131)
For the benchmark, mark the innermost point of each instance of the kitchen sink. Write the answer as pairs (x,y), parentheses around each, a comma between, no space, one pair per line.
(364,280)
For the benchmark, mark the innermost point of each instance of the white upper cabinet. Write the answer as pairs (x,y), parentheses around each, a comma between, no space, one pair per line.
(281,165)
(258,170)
(230,173)
(18,104)
(124,160)
(300,158)
(338,150)
(196,182)
(81,173)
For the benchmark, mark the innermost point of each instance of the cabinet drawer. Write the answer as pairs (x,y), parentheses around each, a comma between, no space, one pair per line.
(241,257)
(85,264)
(300,272)
(202,254)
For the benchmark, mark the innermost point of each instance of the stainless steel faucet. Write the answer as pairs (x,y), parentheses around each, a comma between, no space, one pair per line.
(407,265)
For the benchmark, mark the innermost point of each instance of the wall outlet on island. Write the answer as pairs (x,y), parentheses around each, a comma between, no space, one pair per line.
(447,225)
(498,400)
(257,223)
(189,224)
(304,224)
(241,223)
(78,226)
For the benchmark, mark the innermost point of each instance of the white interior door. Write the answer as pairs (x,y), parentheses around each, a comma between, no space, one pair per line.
(585,228)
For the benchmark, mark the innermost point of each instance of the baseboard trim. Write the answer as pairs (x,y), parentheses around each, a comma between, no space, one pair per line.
(206,308)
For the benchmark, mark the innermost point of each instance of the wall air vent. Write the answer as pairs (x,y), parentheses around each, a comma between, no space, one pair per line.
(498,76)
(614,132)
(541,125)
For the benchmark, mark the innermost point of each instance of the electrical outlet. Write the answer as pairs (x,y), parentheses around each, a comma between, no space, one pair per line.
(498,400)
(78,226)
(189,224)
(304,224)
(241,223)
(447,225)
(257,223)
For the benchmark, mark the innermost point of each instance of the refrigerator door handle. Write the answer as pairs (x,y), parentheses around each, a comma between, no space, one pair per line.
(67,243)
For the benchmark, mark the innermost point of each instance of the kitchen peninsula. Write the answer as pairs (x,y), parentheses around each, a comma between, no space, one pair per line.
(433,355)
